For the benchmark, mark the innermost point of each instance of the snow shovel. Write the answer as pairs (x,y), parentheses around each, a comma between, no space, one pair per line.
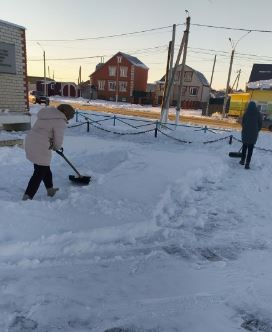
(236,154)
(82,180)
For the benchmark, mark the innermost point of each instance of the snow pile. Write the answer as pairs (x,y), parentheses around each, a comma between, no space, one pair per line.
(167,237)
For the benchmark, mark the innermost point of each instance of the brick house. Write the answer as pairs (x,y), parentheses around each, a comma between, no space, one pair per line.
(195,91)
(121,78)
(13,69)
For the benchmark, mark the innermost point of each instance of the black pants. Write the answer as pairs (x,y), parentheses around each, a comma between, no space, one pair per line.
(247,151)
(41,173)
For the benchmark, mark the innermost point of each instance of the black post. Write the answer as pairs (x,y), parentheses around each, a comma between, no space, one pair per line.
(88,126)
(114,118)
(76,116)
(156,129)
(230,139)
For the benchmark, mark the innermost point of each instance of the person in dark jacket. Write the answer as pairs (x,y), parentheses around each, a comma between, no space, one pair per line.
(251,125)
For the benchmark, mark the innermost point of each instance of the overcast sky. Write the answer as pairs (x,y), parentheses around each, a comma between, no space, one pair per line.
(66,19)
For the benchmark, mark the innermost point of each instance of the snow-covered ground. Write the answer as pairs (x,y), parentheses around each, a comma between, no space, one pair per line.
(120,105)
(167,237)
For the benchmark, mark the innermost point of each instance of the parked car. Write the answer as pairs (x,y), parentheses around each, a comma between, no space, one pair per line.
(267,121)
(37,97)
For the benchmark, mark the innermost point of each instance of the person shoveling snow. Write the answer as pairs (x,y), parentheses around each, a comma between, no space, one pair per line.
(46,135)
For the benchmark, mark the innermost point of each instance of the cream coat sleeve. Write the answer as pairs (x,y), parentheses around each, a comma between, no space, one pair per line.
(58,133)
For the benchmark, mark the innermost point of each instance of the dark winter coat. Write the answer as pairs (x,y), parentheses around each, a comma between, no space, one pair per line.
(251,124)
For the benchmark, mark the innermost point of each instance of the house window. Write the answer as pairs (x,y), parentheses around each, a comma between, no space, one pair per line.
(188,76)
(184,89)
(112,70)
(101,85)
(123,71)
(122,86)
(193,91)
(52,86)
(112,85)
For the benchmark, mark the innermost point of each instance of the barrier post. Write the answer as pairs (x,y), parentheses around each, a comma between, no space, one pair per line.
(76,116)
(156,129)
(88,126)
(114,119)
(230,139)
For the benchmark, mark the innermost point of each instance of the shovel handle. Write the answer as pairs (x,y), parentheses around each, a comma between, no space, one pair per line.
(60,152)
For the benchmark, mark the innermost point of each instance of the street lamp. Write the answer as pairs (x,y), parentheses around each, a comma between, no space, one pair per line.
(44,69)
(233,46)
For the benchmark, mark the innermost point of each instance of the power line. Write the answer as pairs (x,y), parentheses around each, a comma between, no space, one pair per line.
(104,37)
(138,51)
(150,30)
(230,28)
(64,59)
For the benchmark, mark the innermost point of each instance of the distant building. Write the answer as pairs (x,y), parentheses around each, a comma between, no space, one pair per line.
(32,81)
(123,77)
(260,72)
(195,90)
(53,88)
(13,70)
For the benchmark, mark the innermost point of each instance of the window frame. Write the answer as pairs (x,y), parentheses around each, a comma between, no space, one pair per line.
(101,85)
(123,86)
(123,69)
(191,89)
(112,71)
(111,83)
(186,73)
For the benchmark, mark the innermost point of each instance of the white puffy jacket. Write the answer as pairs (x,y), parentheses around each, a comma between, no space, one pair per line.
(46,134)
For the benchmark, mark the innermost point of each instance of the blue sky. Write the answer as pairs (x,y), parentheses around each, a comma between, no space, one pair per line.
(66,19)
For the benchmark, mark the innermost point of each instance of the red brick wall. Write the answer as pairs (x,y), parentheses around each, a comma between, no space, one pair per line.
(140,80)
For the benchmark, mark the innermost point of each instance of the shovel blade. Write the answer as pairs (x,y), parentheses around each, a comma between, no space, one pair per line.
(81,180)
(235,154)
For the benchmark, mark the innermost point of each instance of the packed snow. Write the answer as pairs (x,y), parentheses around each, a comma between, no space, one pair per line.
(167,237)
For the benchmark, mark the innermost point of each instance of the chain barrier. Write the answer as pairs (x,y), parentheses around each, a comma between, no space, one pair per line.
(156,129)
(128,124)
(118,133)
(217,140)
(77,125)
(174,138)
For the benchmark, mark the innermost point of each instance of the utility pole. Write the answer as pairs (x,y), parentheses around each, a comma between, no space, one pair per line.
(44,71)
(170,84)
(119,60)
(211,80)
(166,81)
(228,80)
(44,68)
(230,68)
(165,106)
(238,78)
(186,33)
(79,75)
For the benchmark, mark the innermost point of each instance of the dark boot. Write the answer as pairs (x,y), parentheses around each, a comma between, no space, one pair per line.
(247,166)
(241,162)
